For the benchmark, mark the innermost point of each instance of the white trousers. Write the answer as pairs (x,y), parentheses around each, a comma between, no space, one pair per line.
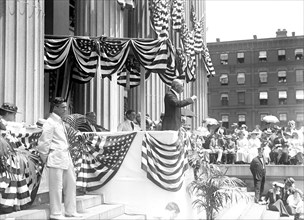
(65,180)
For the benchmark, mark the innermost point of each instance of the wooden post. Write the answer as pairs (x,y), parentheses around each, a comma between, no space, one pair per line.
(142,98)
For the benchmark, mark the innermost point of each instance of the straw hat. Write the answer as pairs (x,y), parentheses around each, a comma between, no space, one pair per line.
(9,107)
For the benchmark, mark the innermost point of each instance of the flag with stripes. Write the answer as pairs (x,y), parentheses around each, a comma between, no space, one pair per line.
(160,12)
(130,75)
(164,164)
(177,14)
(20,173)
(83,50)
(207,62)
(99,158)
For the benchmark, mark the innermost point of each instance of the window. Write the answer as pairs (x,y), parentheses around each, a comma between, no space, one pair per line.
(241,119)
(300,96)
(299,75)
(283,117)
(240,57)
(281,55)
(263,56)
(224,58)
(298,54)
(241,98)
(263,98)
(263,77)
(224,98)
(282,76)
(224,79)
(282,97)
(225,120)
(299,117)
(241,78)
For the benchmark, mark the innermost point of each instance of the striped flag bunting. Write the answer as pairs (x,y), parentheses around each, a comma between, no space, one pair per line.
(130,75)
(20,172)
(57,50)
(207,62)
(160,13)
(177,14)
(99,159)
(164,164)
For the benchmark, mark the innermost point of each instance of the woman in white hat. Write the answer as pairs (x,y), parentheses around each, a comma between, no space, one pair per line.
(254,144)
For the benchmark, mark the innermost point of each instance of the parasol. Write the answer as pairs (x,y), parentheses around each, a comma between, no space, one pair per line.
(187,112)
(210,121)
(270,119)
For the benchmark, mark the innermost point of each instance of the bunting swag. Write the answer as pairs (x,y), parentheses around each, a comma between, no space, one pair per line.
(99,159)
(57,50)
(165,164)
(20,171)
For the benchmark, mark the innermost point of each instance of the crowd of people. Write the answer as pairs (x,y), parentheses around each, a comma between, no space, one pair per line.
(217,144)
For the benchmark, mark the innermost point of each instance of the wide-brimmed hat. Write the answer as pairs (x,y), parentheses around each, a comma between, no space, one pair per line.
(244,126)
(255,132)
(40,122)
(9,107)
(228,136)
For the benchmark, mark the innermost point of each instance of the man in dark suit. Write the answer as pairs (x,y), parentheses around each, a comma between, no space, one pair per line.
(172,117)
(258,170)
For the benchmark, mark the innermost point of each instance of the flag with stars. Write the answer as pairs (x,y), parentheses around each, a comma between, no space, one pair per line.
(99,159)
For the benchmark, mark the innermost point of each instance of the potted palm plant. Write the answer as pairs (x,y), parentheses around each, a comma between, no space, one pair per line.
(212,190)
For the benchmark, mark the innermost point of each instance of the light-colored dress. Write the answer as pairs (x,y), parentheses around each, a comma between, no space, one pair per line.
(243,150)
(254,144)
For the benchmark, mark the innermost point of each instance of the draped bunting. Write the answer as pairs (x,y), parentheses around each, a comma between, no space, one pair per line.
(20,171)
(57,50)
(165,164)
(156,56)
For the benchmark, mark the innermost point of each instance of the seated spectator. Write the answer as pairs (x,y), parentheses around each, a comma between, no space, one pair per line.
(244,129)
(274,199)
(91,116)
(289,186)
(242,145)
(158,126)
(229,150)
(295,149)
(128,124)
(295,203)
(279,143)
(216,147)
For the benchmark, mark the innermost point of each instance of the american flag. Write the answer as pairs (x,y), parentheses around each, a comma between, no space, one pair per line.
(20,178)
(100,159)
(165,164)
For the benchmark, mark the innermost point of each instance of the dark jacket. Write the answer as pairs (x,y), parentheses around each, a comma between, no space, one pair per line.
(172,117)
(256,168)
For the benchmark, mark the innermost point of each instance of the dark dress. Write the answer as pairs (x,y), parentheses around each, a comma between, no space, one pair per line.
(276,203)
(172,117)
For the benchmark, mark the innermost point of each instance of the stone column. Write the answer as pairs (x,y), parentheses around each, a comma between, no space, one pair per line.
(21,57)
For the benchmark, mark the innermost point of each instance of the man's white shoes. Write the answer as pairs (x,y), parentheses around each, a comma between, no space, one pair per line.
(74,215)
(57,217)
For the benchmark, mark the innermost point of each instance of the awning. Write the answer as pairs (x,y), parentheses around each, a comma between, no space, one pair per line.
(263,54)
(263,95)
(282,94)
(282,73)
(224,96)
(240,55)
(299,51)
(300,94)
(224,56)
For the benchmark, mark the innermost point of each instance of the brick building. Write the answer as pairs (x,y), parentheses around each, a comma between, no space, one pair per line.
(257,77)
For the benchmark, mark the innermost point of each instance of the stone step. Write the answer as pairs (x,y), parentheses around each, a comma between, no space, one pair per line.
(131,217)
(235,208)
(270,215)
(86,204)
(253,211)
(87,201)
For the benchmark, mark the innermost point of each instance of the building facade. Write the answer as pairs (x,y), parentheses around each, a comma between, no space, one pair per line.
(24,82)
(257,77)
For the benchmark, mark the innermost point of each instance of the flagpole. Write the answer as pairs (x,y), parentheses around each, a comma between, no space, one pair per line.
(142,98)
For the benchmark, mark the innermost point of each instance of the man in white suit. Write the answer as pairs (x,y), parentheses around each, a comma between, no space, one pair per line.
(128,124)
(53,149)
